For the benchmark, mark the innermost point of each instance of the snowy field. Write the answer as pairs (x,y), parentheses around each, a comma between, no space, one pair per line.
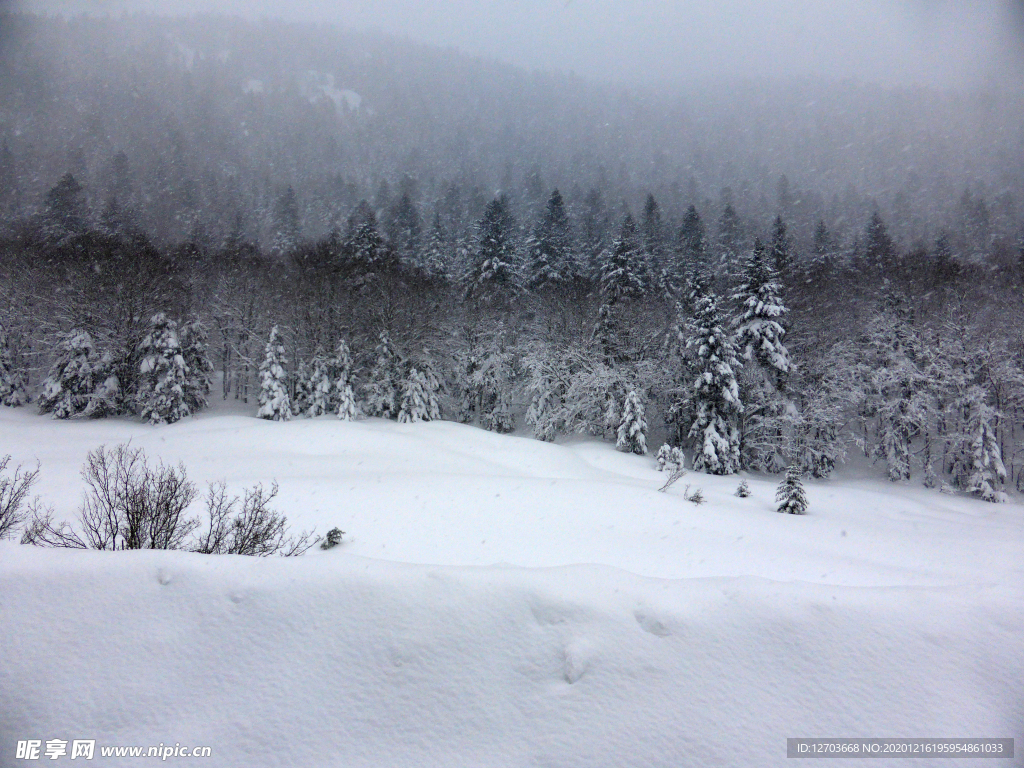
(504,602)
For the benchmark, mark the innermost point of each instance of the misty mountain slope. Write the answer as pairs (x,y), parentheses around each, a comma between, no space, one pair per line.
(215,117)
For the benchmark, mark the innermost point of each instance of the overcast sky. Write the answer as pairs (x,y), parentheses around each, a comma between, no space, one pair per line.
(939,42)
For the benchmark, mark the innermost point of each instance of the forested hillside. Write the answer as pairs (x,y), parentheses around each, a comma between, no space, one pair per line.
(352,224)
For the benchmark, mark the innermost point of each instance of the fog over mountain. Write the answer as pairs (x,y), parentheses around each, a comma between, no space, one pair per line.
(192,122)
(935,42)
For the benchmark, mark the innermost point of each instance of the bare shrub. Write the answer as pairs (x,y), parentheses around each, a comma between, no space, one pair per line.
(696,495)
(676,473)
(254,530)
(13,495)
(131,505)
(127,505)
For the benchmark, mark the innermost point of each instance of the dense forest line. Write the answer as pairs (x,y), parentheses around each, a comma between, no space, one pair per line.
(752,356)
(769,280)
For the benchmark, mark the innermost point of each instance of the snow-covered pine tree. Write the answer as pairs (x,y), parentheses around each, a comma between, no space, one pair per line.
(194,341)
(437,254)
(621,276)
(986,459)
(759,332)
(300,388)
(632,432)
(743,489)
(494,382)
(404,228)
(13,384)
(759,336)
(669,457)
(549,248)
(343,398)
(729,242)
(692,244)
(275,403)
(107,398)
(162,373)
(72,378)
(419,398)
(781,247)
(606,334)
(364,246)
(384,388)
(318,389)
(715,393)
(493,275)
(433,384)
(828,388)
(899,391)
(791,496)
(622,268)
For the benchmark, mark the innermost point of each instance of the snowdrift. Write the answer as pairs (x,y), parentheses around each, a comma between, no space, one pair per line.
(620,627)
(341,660)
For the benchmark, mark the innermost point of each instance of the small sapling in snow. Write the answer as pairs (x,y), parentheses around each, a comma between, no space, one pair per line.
(791,495)
(332,539)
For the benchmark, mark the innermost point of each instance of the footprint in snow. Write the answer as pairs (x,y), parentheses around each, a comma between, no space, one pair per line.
(651,624)
(576,662)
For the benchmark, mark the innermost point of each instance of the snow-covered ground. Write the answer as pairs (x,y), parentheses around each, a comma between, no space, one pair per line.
(504,602)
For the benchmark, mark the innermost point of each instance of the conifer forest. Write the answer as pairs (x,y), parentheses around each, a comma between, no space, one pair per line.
(314,221)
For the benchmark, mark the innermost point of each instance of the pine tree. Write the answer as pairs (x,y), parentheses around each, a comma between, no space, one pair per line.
(632,432)
(199,368)
(781,247)
(364,246)
(13,386)
(759,335)
(622,272)
(383,390)
(669,458)
(493,275)
(492,380)
(879,249)
(404,227)
(743,489)
(791,495)
(693,241)
(987,469)
(824,245)
(437,254)
(730,236)
(652,235)
(343,399)
(550,248)
(419,398)
(318,389)
(162,374)
(275,403)
(76,374)
(759,332)
(899,392)
(107,398)
(300,388)
(715,393)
